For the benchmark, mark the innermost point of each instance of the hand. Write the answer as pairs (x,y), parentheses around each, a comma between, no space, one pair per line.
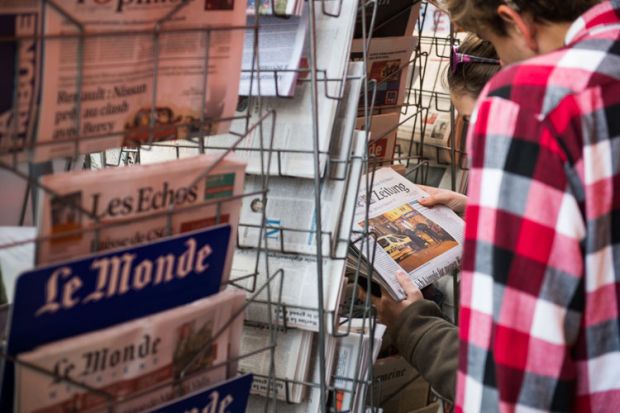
(438,196)
(388,310)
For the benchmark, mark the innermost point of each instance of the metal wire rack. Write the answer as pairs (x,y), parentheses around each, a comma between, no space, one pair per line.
(21,149)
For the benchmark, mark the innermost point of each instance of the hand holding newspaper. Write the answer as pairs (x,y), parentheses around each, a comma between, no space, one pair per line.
(425,243)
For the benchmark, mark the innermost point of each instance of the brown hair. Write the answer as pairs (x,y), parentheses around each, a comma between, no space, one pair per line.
(470,78)
(473,15)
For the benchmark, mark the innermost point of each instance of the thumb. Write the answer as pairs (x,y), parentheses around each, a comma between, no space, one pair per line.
(412,292)
(429,201)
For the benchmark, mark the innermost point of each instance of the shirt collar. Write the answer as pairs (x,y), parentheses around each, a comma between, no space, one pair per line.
(604,13)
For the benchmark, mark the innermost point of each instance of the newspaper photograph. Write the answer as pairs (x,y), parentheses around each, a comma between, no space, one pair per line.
(426,243)
(128,360)
(138,196)
(280,46)
(388,58)
(110,88)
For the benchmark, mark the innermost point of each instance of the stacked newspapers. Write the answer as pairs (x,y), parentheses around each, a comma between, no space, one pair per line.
(425,243)
(135,363)
(347,359)
(291,359)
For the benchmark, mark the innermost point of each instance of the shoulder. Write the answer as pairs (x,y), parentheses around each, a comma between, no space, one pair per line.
(540,84)
(536,85)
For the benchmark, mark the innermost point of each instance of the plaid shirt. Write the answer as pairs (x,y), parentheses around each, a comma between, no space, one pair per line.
(540,312)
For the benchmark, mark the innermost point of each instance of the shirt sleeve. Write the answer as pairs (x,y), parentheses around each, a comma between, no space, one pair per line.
(522,279)
(430,344)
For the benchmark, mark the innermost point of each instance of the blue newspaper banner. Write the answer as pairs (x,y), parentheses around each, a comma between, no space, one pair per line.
(230,396)
(91,293)
(79,296)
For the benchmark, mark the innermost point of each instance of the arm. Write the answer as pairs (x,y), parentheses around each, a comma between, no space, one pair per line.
(422,336)
(430,344)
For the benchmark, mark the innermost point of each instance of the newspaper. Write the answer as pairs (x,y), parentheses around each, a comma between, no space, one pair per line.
(139,197)
(16,259)
(292,147)
(296,232)
(298,282)
(383,129)
(387,62)
(127,78)
(424,243)
(439,176)
(280,46)
(137,360)
(344,125)
(312,403)
(19,73)
(295,287)
(435,125)
(353,359)
(291,358)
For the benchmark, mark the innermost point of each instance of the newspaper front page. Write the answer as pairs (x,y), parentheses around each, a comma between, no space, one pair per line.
(104,89)
(132,358)
(425,243)
(139,196)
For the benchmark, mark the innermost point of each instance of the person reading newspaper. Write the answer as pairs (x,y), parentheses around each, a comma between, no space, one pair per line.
(539,327)
(421,334)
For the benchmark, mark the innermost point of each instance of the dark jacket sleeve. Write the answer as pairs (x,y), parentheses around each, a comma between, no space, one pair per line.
(430,344)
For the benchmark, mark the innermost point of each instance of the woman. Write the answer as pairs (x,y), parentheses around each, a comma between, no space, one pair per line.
(418,329)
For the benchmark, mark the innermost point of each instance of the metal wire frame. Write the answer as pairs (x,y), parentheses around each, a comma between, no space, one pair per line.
(112,401)
(314,80)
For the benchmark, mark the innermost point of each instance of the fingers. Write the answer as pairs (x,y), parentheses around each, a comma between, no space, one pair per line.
(412,292)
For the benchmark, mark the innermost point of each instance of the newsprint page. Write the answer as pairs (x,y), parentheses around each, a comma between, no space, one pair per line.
(103,89)
(426,243)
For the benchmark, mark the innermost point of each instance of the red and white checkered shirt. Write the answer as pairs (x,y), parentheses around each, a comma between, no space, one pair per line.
(540,311)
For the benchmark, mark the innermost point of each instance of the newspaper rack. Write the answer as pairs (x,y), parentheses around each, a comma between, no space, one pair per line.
(12,159)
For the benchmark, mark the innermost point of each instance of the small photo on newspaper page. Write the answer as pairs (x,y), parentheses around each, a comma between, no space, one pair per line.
(410,238)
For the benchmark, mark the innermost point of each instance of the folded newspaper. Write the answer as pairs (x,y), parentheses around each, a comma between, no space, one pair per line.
(134,362)
(144,71)
(139,199)
(425,243)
